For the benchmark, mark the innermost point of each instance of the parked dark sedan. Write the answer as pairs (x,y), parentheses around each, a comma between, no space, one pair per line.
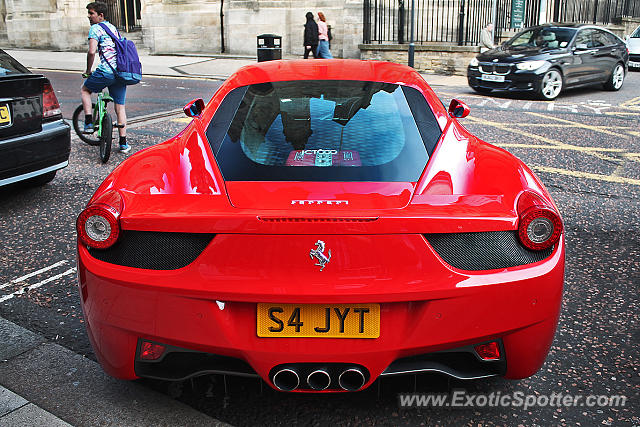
(34,139)
(549,58)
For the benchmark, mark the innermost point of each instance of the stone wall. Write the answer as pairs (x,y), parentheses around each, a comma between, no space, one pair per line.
(194,25)
(628,25)
(187,26)
(50,24)
(432,58)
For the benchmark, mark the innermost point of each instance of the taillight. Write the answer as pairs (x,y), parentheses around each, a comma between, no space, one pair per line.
(98,225)
(151,351)
(488,351)
(539,224)
(50,106)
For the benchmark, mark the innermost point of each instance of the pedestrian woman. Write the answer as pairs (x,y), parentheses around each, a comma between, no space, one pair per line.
(323,37)
(310,36)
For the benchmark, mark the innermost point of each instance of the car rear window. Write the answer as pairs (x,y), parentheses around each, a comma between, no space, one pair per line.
(9,66)
(329,130)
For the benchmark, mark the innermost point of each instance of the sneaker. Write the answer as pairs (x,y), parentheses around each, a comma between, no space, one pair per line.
(125,148)
(88,128)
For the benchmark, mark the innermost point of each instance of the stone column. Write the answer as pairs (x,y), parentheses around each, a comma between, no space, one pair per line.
(353,26)
(70,25)
(3,25)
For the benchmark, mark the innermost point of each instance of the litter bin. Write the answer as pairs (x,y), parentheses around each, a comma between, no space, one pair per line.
(269,47)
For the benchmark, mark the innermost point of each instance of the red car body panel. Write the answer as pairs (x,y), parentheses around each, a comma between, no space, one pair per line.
(264,231)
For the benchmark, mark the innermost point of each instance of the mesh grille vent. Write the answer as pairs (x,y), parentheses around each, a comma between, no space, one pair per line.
(484,250)
(154,250)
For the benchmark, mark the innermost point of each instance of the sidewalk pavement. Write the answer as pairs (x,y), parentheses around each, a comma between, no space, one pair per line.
(213,67)
(43,383)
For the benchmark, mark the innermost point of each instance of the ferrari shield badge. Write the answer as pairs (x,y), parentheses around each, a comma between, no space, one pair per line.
(318,253)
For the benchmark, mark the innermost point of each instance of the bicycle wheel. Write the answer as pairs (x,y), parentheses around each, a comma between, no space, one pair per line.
(78,126)
(106,135)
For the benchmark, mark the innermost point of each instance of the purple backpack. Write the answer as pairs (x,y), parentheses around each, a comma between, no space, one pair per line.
(128,66)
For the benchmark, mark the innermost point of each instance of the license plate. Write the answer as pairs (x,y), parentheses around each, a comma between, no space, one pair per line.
(318,320)
(492,78)
(5,115)
(634,64)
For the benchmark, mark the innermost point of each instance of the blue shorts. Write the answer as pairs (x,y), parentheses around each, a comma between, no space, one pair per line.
(98,80)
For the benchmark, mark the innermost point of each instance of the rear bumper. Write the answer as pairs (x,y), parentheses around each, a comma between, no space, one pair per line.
(448,310)
(35,154)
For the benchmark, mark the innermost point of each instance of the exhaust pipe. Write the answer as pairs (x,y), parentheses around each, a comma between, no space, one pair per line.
(319,379)
(351,379)
(286,380)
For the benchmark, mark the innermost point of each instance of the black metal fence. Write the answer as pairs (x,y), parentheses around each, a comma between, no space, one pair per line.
(595,11)
(460,21)
(124,14)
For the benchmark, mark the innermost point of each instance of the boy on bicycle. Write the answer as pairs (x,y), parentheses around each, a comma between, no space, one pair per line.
(103,76)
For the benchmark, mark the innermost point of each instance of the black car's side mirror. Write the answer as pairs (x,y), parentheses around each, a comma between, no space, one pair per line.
(458,109)
(194,108)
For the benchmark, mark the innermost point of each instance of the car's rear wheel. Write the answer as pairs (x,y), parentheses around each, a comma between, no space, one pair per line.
(616,79)
(551,85)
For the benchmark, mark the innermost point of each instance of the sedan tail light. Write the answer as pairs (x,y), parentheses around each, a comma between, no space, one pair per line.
(539,224)
(50,106)
(98,225)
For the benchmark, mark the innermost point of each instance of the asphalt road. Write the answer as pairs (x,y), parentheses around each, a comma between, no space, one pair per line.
(585,148)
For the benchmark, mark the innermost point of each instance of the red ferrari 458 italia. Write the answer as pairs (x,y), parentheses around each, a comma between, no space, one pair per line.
(320,224)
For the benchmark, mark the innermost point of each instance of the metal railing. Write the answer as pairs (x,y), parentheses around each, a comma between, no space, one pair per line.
(124,14)
(460,21)
(595,11)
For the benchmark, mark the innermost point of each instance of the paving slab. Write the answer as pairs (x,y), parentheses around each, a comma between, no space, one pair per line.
(78,391)
(16,340)
(31,415)
(9,401)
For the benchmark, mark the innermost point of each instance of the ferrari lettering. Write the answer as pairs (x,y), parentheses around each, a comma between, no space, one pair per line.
(319,202)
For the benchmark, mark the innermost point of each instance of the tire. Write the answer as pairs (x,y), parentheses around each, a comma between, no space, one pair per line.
(40,180)
(551,85)
(78,126)
(616,79)
(106,136)
(482,90)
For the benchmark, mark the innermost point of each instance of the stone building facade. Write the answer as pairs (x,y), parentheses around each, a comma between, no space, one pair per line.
(191,26)
(196,26)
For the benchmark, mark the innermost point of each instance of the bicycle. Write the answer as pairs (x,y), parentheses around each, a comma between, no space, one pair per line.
(102,134)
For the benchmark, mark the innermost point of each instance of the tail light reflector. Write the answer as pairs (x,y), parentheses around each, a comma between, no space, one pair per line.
(50,106)
(151,351)
(488,351)
(539,224)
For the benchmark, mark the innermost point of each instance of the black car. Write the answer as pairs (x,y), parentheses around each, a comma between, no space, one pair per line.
(34,139)
(549,58)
